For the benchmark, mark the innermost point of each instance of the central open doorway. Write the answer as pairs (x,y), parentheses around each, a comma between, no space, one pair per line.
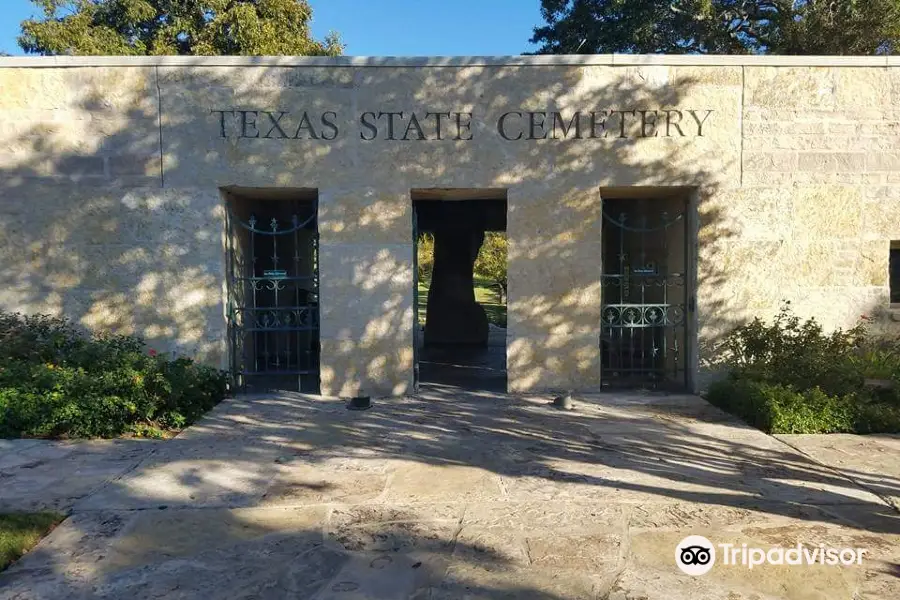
(460,288)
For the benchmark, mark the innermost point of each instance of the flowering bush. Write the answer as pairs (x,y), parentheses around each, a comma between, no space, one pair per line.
(56,381)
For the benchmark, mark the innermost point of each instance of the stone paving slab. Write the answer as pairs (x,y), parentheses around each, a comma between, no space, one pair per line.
(873,461)
(54,475)
(451,496)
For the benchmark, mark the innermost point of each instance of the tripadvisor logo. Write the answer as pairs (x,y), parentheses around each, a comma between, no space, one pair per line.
(696,555)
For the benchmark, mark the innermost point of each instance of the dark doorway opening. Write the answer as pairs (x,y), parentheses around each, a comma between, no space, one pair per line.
(273,289)
(646,293)
(460,333)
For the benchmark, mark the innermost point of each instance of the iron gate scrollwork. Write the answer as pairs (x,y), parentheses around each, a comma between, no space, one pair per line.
(273,299)
(644,313)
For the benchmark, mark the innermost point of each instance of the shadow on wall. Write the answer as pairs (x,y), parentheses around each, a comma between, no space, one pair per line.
(111,212)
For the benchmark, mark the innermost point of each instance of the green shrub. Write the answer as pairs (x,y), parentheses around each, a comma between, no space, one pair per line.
(425,256)
(57,381)
(790,376)
(797,354)
(491,261)
(780,409)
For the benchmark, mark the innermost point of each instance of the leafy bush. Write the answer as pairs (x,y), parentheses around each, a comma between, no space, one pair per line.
(797,354)
(425,256)
(491,261)
(489,264)
(781,409)
(879,358)
(57,381)
(790,376)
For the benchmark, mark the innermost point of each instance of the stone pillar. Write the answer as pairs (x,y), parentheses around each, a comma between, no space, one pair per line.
(365,285)
(553,322)
(453,315)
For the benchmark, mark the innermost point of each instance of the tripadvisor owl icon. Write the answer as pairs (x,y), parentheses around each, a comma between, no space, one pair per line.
(695,555)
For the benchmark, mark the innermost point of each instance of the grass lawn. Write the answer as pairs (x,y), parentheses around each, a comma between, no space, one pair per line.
(486,294)
(20,532)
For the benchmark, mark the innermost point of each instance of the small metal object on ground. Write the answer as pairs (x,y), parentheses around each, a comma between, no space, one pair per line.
(564,402)
(359,403)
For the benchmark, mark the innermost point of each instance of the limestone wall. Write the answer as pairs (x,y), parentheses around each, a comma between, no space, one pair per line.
(111,170)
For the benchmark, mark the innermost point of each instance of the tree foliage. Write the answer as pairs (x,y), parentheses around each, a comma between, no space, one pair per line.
(719,26)
(192,27)
(491,261)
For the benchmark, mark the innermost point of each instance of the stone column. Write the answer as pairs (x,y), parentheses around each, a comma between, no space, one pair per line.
(553,331)
(365,282)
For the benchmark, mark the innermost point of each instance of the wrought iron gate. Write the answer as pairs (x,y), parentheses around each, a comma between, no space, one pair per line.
(273,297)
(645,294)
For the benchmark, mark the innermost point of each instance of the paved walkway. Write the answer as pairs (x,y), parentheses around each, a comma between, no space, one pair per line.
(447,496)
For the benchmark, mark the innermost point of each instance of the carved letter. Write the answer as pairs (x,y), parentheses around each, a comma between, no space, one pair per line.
(670,123)
(368,125)
(247,123)
(222,114)
(390,116)
(622,123)
(566,127)
(601,122)
(414,124)
(276,124)
(502,129)
(329,124)
(437,119)
(645,122)
(306,124)
(699,122)
(534,125)
(461,126)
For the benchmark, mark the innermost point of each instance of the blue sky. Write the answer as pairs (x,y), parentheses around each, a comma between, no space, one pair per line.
(388,27)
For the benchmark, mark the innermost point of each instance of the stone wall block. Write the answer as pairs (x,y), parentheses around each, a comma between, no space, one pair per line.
(770,161)
(894,79)
(883,161)
(749,214)
(881,218)
(872,263)
(862,88)
(366,291)
(831,162)
(370,214)
(374,367)
(247,79)
(790,87)
(718,76)
(125,165)
(830,212)
(553,362)
(554,260)
(144,261)
(366,317)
